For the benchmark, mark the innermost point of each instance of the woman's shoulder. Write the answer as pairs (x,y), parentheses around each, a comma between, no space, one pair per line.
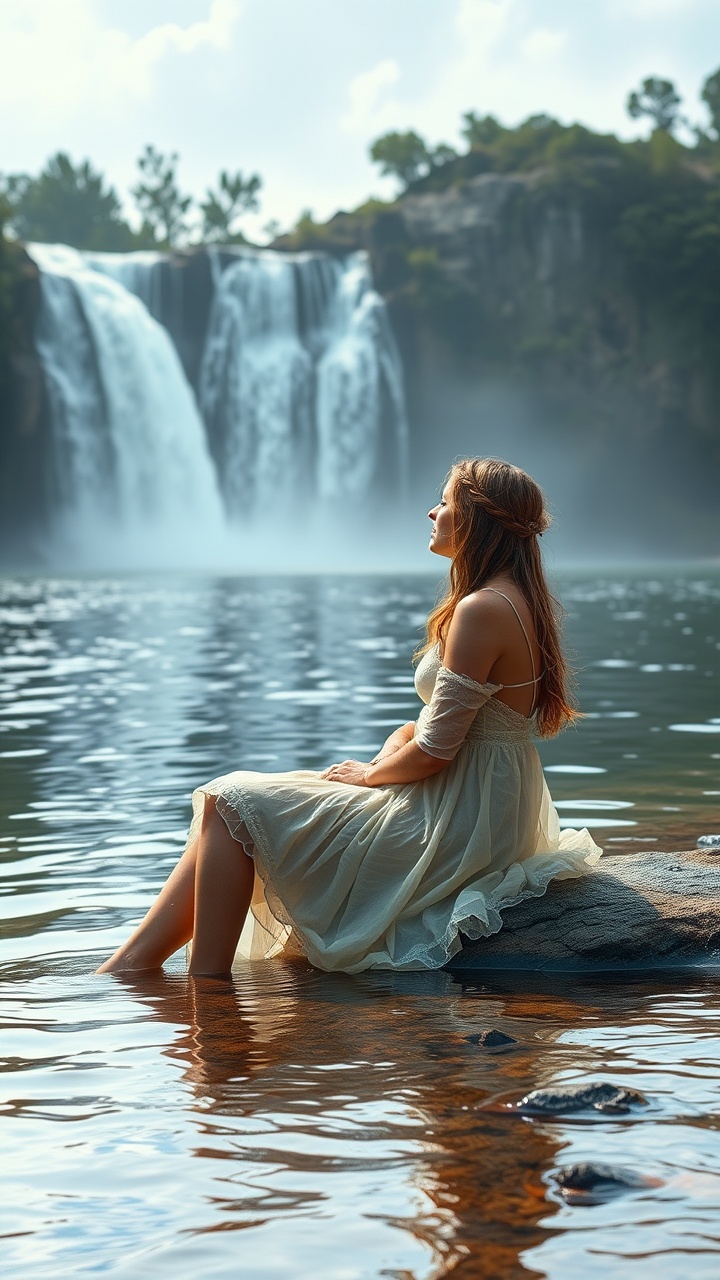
(476,635)
(487,602)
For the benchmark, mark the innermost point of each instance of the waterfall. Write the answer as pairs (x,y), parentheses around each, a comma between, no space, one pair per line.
(256,384)
(301,381)
(128,453)
(143,274)
(362,429)
(297,385)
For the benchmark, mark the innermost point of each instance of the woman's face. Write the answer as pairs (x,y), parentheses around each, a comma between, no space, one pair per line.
(441,538)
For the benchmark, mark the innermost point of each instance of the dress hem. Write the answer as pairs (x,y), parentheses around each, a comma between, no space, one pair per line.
(473,925)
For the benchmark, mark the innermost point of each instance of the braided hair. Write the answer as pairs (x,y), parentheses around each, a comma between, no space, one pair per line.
(498,515)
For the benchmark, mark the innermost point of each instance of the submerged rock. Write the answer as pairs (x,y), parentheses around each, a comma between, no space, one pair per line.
(491,1039)
(562,1099)
(591,1182)
(644,911)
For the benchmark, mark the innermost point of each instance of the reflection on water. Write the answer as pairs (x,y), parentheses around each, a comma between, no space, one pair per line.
(170,1127)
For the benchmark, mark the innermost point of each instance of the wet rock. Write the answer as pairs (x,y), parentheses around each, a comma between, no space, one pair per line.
(710,843)
(592,1182)
(562,1099)
(650,911)
(491,1038)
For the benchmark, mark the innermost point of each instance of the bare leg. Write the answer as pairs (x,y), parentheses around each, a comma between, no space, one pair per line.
(224,880)
(206,898)
(168,924)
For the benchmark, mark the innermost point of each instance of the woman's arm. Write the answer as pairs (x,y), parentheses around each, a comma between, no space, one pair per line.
(408,763)
(395,741)
(398,760)
(472,647)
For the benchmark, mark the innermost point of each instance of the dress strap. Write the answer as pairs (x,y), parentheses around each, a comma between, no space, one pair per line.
(535,678)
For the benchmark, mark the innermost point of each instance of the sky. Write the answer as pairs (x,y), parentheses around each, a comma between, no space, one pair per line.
(296,90)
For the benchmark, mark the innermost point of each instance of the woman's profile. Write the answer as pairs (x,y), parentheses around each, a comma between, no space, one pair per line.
(390,863)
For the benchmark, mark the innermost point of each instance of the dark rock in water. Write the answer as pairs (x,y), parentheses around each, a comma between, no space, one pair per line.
(649,911)
(592,1183)
(561,1099)
(491,1039)
(711,843)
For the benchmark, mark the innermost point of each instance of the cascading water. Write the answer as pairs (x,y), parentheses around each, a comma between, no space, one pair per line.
(128,449)
(140,273)
(297,378)
(362,431)
(256,384)
(301,381)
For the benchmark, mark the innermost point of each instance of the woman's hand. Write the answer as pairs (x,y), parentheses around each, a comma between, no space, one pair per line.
(353,772)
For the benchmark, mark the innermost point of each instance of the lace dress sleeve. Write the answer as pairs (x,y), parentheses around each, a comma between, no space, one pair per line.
(443,724)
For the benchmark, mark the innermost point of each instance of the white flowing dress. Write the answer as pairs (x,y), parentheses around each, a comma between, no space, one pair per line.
(389,877)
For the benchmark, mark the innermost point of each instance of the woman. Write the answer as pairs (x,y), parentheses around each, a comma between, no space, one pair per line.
(386,864)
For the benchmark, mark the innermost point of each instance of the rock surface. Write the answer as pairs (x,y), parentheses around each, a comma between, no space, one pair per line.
(593,1183)
(491,1039)
(638,911)
(560,1100)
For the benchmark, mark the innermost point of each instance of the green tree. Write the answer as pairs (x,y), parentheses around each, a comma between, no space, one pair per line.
(272,229)
(222,208)
(710,95)
(480,131)
(442,154)
(159,198)
(657,99)
(402,155)
(66,203)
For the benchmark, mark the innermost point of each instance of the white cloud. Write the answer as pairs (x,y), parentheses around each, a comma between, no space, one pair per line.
(57,56)
(480,23)
(142,54)
(365,92)
(542,44)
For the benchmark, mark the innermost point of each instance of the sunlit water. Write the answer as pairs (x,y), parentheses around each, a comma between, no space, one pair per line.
(300,1124)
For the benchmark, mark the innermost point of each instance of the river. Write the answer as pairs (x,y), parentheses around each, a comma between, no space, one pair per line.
(296,1123)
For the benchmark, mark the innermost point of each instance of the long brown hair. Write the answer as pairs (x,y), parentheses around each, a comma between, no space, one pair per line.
(498,514)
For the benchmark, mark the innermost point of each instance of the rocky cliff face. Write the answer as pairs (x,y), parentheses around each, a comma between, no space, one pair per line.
(22,405)
(524,335)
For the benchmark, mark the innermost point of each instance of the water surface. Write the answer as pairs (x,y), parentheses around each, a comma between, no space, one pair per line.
(298,1123)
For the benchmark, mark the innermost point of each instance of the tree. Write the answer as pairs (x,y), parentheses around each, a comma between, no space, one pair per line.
(402,155)
(66,203)
(539,122)
(158,196)
(272,229)
(236,195)
(710,95)
(480,131)
(442,154)
(657,99)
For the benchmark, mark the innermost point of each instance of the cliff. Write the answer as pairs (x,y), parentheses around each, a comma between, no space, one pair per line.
(566,316)
(22,398)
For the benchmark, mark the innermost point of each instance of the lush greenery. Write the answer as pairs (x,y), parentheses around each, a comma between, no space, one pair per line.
(71,204)
(655,203)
